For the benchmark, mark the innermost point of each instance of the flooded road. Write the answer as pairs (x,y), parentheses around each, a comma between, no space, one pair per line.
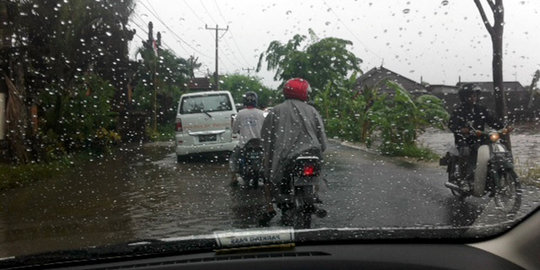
(143,193)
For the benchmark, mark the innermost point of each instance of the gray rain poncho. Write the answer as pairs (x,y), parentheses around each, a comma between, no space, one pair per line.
(290,129)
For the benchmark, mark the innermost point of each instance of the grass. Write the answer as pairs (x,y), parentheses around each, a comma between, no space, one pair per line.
(13,176)
(164,133)
(411,151)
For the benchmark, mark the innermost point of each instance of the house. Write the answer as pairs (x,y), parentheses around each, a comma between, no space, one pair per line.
(447,93)
(517,96)
(514,87)
(442,90)
(377,77)
(200,84)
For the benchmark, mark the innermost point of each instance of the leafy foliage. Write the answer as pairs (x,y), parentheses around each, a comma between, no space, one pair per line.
(239,84)
(400,118)
(64,50)
(171,77)
(321,61)
(396,118)
(79,119)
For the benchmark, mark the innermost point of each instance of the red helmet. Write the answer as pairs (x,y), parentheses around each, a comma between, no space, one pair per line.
(296,88)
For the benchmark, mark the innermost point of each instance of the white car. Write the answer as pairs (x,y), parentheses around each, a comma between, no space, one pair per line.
(203,123)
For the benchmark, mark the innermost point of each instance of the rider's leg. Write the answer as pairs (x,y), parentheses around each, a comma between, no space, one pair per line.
(233,165)
(269,205)
(268,187)
(480,173)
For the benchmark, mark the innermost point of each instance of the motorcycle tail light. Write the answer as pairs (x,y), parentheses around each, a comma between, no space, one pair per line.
(179,125)
(494,137)
(309,170)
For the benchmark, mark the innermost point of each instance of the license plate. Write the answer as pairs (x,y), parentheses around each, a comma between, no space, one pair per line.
(207,138)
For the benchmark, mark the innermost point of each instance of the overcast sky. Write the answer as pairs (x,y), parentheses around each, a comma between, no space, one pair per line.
(436,40)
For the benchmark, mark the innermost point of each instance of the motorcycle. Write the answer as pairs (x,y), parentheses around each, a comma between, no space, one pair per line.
(250,162)
(501,182)
(297,194)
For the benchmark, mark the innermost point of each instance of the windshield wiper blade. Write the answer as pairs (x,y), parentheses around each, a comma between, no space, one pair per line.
(206,112)
(144,248)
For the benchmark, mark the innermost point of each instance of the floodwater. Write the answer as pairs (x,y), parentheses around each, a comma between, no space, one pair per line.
(138,194)
(143,193)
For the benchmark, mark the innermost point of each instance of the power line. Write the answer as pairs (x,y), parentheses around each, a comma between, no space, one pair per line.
(350,31)
(216,73)
(174,33)
(232,36)
(212,18)
(146,32)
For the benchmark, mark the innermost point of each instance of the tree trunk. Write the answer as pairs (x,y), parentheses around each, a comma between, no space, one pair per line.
(496,33)
(17,127)
(497,65)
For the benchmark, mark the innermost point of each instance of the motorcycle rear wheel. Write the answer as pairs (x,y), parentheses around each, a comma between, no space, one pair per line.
(508,194)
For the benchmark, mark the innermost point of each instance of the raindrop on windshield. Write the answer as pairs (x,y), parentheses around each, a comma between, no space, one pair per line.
(406,11)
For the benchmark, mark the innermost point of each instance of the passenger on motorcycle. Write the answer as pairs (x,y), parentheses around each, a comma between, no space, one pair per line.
(247,123)
(290,129)
(470,116)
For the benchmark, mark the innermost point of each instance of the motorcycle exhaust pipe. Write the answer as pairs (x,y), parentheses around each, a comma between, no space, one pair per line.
(452,186)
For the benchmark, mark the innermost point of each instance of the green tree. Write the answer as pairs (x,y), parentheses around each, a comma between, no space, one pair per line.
(320,61)
(56,43)
(239,84)
(400,118)
(171,78)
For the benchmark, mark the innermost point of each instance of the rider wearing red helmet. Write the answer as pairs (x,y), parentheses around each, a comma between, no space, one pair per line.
(290,129)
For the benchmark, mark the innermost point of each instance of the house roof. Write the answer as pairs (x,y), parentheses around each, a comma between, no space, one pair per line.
(488,86)
(202,83)
(377,75)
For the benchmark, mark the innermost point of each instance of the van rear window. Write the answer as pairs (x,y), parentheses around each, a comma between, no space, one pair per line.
(205,103)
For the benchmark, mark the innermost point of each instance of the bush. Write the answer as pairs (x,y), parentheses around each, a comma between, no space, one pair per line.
(397,118)
(78,117)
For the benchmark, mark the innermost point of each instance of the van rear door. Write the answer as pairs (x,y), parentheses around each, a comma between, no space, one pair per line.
(206,117)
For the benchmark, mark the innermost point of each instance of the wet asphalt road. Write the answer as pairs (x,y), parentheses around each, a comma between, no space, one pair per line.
(143,193)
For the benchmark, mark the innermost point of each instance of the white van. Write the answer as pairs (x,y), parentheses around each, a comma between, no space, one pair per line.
(203,123)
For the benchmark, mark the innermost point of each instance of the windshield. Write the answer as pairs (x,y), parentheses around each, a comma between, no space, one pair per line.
(210,103)
(373,120)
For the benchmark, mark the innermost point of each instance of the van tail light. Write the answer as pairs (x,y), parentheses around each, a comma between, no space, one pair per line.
(178,124)
(309,170)
(234,136)
(233,116)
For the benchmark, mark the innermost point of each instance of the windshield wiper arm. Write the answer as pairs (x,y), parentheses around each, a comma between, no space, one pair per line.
(209,115)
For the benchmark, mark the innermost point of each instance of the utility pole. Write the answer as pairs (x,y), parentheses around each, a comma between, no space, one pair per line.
(248,70)
(216,74)
(5,44)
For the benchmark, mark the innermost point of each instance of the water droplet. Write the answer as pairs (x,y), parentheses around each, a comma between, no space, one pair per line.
(327,23)
(288,12)
(406,11)
(444,2)
(108,34)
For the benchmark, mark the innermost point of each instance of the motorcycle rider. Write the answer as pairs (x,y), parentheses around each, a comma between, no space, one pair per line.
(247,124)
(290,129)
(470,115)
